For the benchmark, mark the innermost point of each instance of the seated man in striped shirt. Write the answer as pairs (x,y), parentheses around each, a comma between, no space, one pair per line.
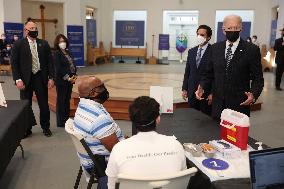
(94,122)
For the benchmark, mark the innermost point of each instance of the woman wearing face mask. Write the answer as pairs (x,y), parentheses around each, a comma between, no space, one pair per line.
(65,78)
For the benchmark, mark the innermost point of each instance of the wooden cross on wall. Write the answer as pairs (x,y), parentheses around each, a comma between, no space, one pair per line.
(42,20)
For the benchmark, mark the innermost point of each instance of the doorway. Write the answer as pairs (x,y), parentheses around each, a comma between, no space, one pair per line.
(176,23)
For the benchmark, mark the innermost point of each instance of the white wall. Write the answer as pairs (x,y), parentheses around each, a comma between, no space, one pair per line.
(207,10)
(280,22)
(10,11)
(51,11)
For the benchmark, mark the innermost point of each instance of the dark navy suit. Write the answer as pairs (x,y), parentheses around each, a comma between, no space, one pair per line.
(192,76)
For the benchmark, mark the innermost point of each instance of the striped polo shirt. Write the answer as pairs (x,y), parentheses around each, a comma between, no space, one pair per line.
(94,122)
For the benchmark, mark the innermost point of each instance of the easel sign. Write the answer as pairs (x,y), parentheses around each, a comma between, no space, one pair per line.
(2,98)
(164,96)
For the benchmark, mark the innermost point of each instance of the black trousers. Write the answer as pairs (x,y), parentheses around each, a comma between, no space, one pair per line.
(279,72)
(38,86)
(64,92)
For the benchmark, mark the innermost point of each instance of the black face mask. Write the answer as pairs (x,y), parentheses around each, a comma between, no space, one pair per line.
(232,36)
(103,96)
(33,34)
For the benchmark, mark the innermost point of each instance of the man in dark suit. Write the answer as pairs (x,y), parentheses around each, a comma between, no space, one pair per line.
(279,60)
(3,42)
(197,61)
(234,69)
(33,71)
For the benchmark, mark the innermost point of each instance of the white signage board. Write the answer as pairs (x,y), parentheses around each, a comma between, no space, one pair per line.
(165,97)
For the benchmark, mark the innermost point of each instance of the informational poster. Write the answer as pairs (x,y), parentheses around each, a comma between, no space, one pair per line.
(164,96)
(129,33)
(164,41)
(273,32)
(76,43)
(11,29)
(92,32)
(2,98)
(244,33)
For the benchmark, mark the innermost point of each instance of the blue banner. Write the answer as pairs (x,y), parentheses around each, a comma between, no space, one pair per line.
(273,32)
(244,33)
(164,41)
(92,32)
(11,29)
(129,33)
(76,43)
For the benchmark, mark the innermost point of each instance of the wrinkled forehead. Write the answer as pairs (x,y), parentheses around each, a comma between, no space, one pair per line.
(232,22)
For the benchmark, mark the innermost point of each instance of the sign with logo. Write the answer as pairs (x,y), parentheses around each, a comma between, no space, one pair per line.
(11,29)
(92,32)
(273,32)
(215,164)
(164,41)
(181,43)
(129,33)
(76,43)
(164,96)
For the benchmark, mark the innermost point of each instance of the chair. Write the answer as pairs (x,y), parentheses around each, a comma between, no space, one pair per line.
(82,148)
(178,180)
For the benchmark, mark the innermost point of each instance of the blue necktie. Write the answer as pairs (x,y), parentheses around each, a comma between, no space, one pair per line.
(198,57)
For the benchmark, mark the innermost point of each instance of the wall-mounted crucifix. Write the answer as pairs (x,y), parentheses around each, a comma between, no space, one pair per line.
(42,20)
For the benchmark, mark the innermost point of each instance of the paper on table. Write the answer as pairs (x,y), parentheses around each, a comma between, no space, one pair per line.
(2,97)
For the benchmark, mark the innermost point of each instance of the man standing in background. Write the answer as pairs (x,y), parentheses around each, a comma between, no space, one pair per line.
(197,60)
(33,71)
(279,59)
(234,69)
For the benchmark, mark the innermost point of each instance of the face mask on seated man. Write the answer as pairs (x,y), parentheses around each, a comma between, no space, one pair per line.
(93,121)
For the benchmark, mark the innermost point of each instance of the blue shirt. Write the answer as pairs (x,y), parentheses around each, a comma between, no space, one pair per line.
(94,122)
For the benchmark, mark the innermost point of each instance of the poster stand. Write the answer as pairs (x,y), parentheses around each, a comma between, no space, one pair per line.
(138,61)
(121,60)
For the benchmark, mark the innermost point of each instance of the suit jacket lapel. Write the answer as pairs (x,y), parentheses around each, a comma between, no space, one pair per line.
(28,49)
(204,57)
(238,52)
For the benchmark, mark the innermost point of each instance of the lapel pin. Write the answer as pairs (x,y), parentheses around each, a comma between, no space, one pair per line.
(241,50)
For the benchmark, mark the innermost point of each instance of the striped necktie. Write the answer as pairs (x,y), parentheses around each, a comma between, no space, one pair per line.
(35,63)
(229,56)
(198,57)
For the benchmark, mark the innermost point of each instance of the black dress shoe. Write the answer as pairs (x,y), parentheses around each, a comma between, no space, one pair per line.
(28,133)
(47,132)
(278,89)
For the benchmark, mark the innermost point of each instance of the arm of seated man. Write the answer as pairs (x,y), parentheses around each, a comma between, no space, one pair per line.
(109,141)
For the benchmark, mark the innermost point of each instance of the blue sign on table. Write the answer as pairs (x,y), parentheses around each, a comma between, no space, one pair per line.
(129,33)
(215,164)
(244,33)
(76,43)
(11,29)
(92,32)
(164,41)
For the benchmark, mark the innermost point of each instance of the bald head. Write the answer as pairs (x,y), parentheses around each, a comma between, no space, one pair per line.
(87,84)
(232,23)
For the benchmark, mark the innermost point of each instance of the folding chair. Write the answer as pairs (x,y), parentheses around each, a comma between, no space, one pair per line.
(82,148)
(178,180)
